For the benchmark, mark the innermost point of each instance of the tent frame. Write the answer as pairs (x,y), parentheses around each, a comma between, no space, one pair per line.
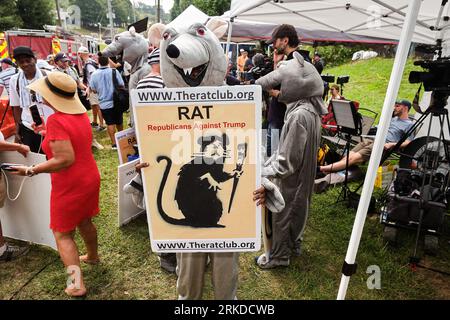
(411,18)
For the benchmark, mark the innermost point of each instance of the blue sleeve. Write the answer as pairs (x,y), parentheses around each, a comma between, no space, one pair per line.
(119,79)
(92,83)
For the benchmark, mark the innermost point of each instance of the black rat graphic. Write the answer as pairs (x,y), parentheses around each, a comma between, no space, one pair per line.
(198,182)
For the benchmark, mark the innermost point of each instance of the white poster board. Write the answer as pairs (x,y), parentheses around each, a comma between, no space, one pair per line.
(128,210)
(196,142)
(125,140)
(27,218)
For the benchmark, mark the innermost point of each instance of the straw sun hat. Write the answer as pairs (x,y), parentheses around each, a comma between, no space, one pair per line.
(60,90)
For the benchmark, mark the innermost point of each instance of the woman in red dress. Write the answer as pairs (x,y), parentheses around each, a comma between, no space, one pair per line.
(74,174)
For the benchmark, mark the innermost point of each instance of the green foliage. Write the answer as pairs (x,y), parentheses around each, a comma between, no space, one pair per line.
(369,80)
(9,15)
(36,13)
(336,54)
(144,10)
(211,8)
(94,12)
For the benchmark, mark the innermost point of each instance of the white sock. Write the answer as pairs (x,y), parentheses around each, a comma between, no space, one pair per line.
(2,249)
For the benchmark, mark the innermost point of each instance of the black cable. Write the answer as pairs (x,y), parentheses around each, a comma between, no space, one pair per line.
(31,279)
(445,273)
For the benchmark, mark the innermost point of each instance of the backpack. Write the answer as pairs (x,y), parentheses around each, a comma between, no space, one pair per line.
(121,96)
(89,62)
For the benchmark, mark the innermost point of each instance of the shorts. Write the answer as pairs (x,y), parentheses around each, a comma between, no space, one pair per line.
(112,116)
(364,148)
(93,99)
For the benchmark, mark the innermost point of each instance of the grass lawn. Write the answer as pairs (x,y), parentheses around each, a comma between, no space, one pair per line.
(130,271)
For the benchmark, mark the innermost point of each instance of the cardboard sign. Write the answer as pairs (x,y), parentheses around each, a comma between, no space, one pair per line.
(128,210)
(125,140)
(203,148)
(27,218)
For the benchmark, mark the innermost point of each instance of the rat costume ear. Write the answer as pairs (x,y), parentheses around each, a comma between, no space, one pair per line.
(218,26)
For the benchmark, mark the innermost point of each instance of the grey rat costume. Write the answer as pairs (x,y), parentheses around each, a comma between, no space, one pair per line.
(134,50)
(184,50)
(293,166)
(194,57)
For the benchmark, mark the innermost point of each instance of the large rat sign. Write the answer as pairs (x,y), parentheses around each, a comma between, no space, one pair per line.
(203,157)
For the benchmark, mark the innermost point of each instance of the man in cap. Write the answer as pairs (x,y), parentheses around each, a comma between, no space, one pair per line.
(51,60)
(62,64)
(8,70)
(285,42)
(89,67)
(400,124)
(21,98)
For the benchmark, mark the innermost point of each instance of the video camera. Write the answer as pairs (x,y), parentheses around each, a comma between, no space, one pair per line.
(262,65)
(328,78)
(342,79)
(437,78)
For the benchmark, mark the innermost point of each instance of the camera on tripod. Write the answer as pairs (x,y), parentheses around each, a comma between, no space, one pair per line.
(342,79)
(437,78)
(328,78)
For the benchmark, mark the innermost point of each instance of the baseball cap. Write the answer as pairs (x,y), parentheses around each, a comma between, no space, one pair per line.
(241,50)
(23,51)
(7,61)
(61,56)
(281,31)
(83,50)
(404,102)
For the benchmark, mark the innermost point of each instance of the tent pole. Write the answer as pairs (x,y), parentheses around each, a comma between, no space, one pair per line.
(386,115)
(230,31)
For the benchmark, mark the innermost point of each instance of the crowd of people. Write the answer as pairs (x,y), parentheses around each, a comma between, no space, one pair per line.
(63,96)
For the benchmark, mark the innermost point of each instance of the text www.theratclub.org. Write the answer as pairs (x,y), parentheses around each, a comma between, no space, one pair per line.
(195,245)
(182,96)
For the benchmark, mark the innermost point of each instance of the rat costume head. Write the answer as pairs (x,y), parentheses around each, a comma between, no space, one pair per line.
(192,56)
(132,46)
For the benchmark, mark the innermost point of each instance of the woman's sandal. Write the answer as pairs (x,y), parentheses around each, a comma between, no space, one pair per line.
(88,261)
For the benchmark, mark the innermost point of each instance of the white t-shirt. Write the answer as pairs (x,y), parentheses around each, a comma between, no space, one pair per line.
(14,100)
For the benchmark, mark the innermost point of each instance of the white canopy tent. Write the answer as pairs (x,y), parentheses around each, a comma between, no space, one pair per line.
(403,20)
(374,18)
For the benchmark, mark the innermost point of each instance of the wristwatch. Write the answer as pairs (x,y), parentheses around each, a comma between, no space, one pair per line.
(30,172)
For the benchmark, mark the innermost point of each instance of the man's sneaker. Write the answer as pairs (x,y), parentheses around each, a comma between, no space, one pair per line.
(97,145)
(13,252)
(272,263)
(321,186)
(114,147)
(100,128)
(94,124)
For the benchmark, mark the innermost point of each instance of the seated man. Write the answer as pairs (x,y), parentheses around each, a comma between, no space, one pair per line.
(400,124)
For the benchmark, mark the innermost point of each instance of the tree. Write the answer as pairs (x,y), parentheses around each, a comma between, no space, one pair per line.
(122,11)
(210,7)
(92,12)
(36,13)
(9,15)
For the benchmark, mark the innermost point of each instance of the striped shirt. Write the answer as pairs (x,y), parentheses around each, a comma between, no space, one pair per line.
(5,76)
(153,57)
(151,82)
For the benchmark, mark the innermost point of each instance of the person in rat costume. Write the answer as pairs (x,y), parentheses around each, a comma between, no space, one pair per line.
(293,166)
(193,57)
(134,50)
